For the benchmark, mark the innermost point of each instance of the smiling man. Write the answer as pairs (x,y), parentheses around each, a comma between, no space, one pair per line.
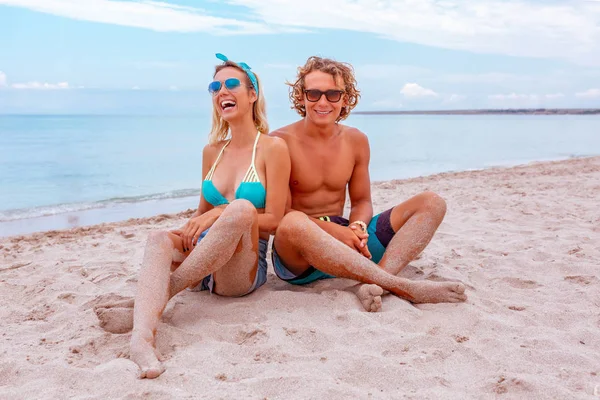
(314,241)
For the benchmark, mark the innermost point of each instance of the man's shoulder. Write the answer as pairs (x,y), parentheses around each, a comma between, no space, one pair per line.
(286,132)
(354,134)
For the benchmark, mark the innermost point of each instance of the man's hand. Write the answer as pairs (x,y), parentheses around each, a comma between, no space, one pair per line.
(349,237)
(191,231)
(364,238)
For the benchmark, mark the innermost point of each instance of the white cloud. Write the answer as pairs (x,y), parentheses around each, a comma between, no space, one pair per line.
(173,88)
(513,96)
(153,15)
(554,96)
(455,98)
(2,79)
(518,27)
(40,86)
(567,30)
(135,88)
(589,94)
(414,90)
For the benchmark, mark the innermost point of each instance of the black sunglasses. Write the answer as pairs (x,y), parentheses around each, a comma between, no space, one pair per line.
(332,96)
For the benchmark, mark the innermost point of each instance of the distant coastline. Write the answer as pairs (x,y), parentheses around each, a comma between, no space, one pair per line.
(510,111)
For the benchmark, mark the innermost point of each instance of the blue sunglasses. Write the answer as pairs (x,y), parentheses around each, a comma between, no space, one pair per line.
(230,84)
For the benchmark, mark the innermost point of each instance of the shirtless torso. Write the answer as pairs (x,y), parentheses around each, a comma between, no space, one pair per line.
(324,168)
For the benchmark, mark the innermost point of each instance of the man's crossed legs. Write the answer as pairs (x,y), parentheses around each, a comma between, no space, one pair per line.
(304,253)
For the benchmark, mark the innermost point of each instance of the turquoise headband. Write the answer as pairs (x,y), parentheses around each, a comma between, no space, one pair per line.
(246,69)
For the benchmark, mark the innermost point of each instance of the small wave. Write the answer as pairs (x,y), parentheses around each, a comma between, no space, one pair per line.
(44,211)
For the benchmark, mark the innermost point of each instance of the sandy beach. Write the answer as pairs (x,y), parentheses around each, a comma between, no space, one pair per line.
(524,240)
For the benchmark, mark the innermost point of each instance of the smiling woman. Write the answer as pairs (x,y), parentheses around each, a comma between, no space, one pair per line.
(222,248)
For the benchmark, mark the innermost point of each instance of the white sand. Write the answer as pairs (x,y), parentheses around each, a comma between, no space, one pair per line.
(525,240)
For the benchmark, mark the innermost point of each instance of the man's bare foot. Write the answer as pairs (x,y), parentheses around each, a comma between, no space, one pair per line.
(115,320)
(370,296)
(437,292)
(144,354)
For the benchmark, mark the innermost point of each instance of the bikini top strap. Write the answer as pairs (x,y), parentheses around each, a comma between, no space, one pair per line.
(254,149)
(252,174)
(214,166)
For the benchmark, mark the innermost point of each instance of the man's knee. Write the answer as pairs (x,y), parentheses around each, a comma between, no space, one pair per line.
(434,204)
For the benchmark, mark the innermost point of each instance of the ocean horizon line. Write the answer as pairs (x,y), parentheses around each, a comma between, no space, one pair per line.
(450,111)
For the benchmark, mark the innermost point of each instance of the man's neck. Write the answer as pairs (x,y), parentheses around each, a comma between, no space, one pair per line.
(319,131)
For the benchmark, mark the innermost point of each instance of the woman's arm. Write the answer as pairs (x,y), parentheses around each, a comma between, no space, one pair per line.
(278,167)
(206,215)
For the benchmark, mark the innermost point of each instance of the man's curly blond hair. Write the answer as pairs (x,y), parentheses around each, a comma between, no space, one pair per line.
(334,68)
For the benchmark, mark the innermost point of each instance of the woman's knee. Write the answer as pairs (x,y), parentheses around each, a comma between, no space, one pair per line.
(159,237)
(291,224)
(240,211)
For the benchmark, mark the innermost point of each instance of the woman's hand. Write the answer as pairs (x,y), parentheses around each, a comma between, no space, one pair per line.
(191,231)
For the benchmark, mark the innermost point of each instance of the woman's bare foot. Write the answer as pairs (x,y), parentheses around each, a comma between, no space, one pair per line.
(370,296)
(143,353)
(436,292)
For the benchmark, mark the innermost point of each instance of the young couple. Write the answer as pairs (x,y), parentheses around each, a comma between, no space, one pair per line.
(291,183)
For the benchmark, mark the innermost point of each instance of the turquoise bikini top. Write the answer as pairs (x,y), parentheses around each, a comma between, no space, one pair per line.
(250,188)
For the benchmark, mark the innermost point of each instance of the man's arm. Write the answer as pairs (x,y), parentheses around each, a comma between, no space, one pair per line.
(359,186)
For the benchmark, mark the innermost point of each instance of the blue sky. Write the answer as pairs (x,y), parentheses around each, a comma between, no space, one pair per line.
(101,56)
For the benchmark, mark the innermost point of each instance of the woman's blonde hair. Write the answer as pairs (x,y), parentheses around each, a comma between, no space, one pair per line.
(220,127)
(335,69)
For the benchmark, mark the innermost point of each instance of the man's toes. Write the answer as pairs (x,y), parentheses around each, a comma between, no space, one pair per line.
(376,291)
(377,304)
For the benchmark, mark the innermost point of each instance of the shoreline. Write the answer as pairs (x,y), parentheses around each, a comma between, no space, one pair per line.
(120,212)
(507,111)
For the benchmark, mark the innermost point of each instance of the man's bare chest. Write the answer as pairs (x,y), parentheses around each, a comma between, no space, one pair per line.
(320,167)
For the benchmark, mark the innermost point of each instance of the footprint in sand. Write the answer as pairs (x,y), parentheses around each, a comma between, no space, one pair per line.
(114,312)
(581,279)
(252,336)
(521,283)
(513,385)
